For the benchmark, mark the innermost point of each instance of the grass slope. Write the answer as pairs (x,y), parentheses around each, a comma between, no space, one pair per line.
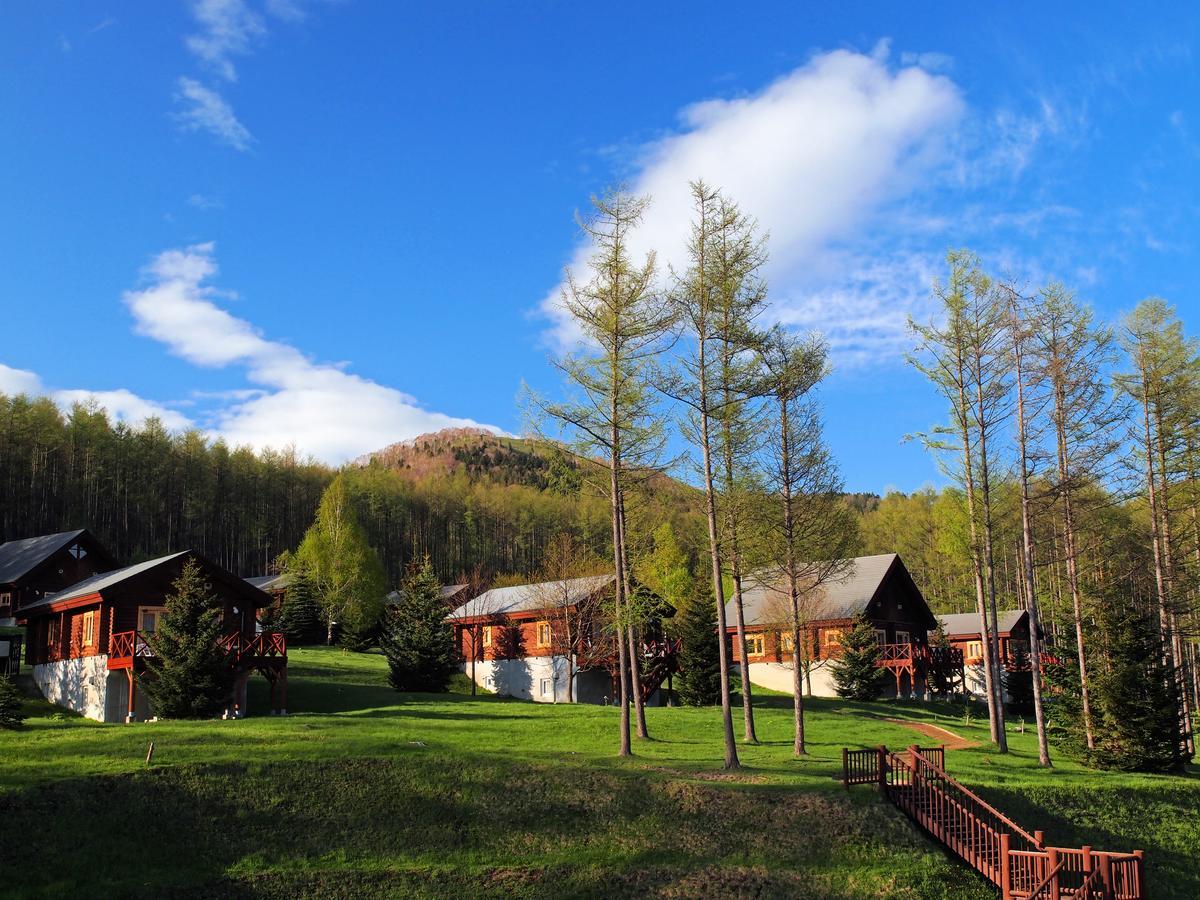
(363,791)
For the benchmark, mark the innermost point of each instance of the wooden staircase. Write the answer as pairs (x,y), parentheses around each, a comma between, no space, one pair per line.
(1018,862)
(659,660)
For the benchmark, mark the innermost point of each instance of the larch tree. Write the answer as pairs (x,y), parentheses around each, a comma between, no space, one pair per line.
(695,384)
(1072,358)
(343,568)
(814,532)
(1165,369)
(612,417)
(962,358)
(1031,401)
(738,253)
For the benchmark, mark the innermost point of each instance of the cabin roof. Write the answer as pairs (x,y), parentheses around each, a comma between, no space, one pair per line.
(446,592)
(531,597)
(97,584)
(269,582)
(966,624)
(844,597)
(19,558)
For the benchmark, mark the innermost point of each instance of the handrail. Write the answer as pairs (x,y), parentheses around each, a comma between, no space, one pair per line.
(1044,886)
(978,800)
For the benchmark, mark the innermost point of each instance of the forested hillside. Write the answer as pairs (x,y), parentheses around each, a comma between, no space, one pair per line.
(472,501)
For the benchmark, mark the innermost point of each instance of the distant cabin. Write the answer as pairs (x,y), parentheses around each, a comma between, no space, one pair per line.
(33,567)
(453,595)
(514,638)
(87,640)
(1012,630)
(877,588)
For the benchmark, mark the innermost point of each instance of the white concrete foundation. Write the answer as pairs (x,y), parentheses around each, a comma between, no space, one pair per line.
(78,684)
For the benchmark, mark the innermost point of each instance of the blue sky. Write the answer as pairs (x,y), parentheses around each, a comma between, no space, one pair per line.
(338,223)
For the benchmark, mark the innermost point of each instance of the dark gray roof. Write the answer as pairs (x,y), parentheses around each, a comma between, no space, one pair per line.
(269,582)
(446,592)
(968,623)
(98,583)
(764,601)
(20,557)
(530,597)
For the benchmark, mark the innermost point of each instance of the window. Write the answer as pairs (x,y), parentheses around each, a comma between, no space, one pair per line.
(755,645)
(544,634)
(903,637)
(5,601)
(487,635)
(881,636)
(547,687)
(788,643)
(52,633)
(975,650)
(833,637)
(149,617)
(87,631)
(77,551)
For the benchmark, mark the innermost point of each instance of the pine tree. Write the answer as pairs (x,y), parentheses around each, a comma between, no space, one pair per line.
(187,676)
(11,701)
(855,675)
(416,639)
(699,680)
(300,615)
(1141,728)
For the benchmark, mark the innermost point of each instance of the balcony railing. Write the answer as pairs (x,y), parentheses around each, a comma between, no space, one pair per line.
(127,646)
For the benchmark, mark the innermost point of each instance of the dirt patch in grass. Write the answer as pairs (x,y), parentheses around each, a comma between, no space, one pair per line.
(937,732)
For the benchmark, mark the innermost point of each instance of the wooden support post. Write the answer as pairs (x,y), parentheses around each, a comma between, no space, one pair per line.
(1005,870)
(846,768)
(1140,875)
(1106,877)
(283,691)
(1052,862)
(129,713)
(881,766)
(1039,837)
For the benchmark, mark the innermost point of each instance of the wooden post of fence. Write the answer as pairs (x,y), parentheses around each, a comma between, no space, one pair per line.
(1039,838)
(1005,870)
(1052,862)
(846,767)
(1106,876)
(1140,872)
(881,766)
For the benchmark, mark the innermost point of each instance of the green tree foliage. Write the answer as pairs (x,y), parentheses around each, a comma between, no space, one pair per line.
(344,570)
(855,675)
(300,616)
(1135,701)
(11,701)
(187,677)
(699,680)
(416,638)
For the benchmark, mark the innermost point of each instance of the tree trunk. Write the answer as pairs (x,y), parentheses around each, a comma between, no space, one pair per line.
(789,537)
(635,667)
(619,579)
(990,572)
(1035,640)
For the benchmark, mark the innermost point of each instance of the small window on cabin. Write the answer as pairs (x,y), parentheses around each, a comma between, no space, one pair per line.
(788,643)
(547,687)
(975,650)
(833,637)
(149,618)
(881,636)
(755,645)
(903,637)
(77,551)
(543,634)
(487,635)
(87,630)
(5,601)
(52,633)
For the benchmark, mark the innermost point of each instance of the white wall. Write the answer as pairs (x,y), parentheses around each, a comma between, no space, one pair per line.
(778,677)
(78,684)
(542,679)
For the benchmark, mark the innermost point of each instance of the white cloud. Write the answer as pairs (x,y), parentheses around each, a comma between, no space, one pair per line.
(122,405)
(324,410)
(206,110)
(203,201)
(228,28)
(813,157)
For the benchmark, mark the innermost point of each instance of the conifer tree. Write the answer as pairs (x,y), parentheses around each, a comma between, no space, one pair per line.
(300,615)
(10,704)
(187,677)
(699,680)
(417,640)
(855,675)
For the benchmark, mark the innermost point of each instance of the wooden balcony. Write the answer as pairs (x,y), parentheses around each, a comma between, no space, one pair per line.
(127,647)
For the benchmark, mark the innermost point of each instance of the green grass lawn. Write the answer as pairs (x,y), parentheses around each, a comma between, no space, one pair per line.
(365,792)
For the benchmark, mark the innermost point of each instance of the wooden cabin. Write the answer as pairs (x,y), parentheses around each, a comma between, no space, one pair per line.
(878,588)
(1012,630)
(33,567)
(88,644)
(517,642)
